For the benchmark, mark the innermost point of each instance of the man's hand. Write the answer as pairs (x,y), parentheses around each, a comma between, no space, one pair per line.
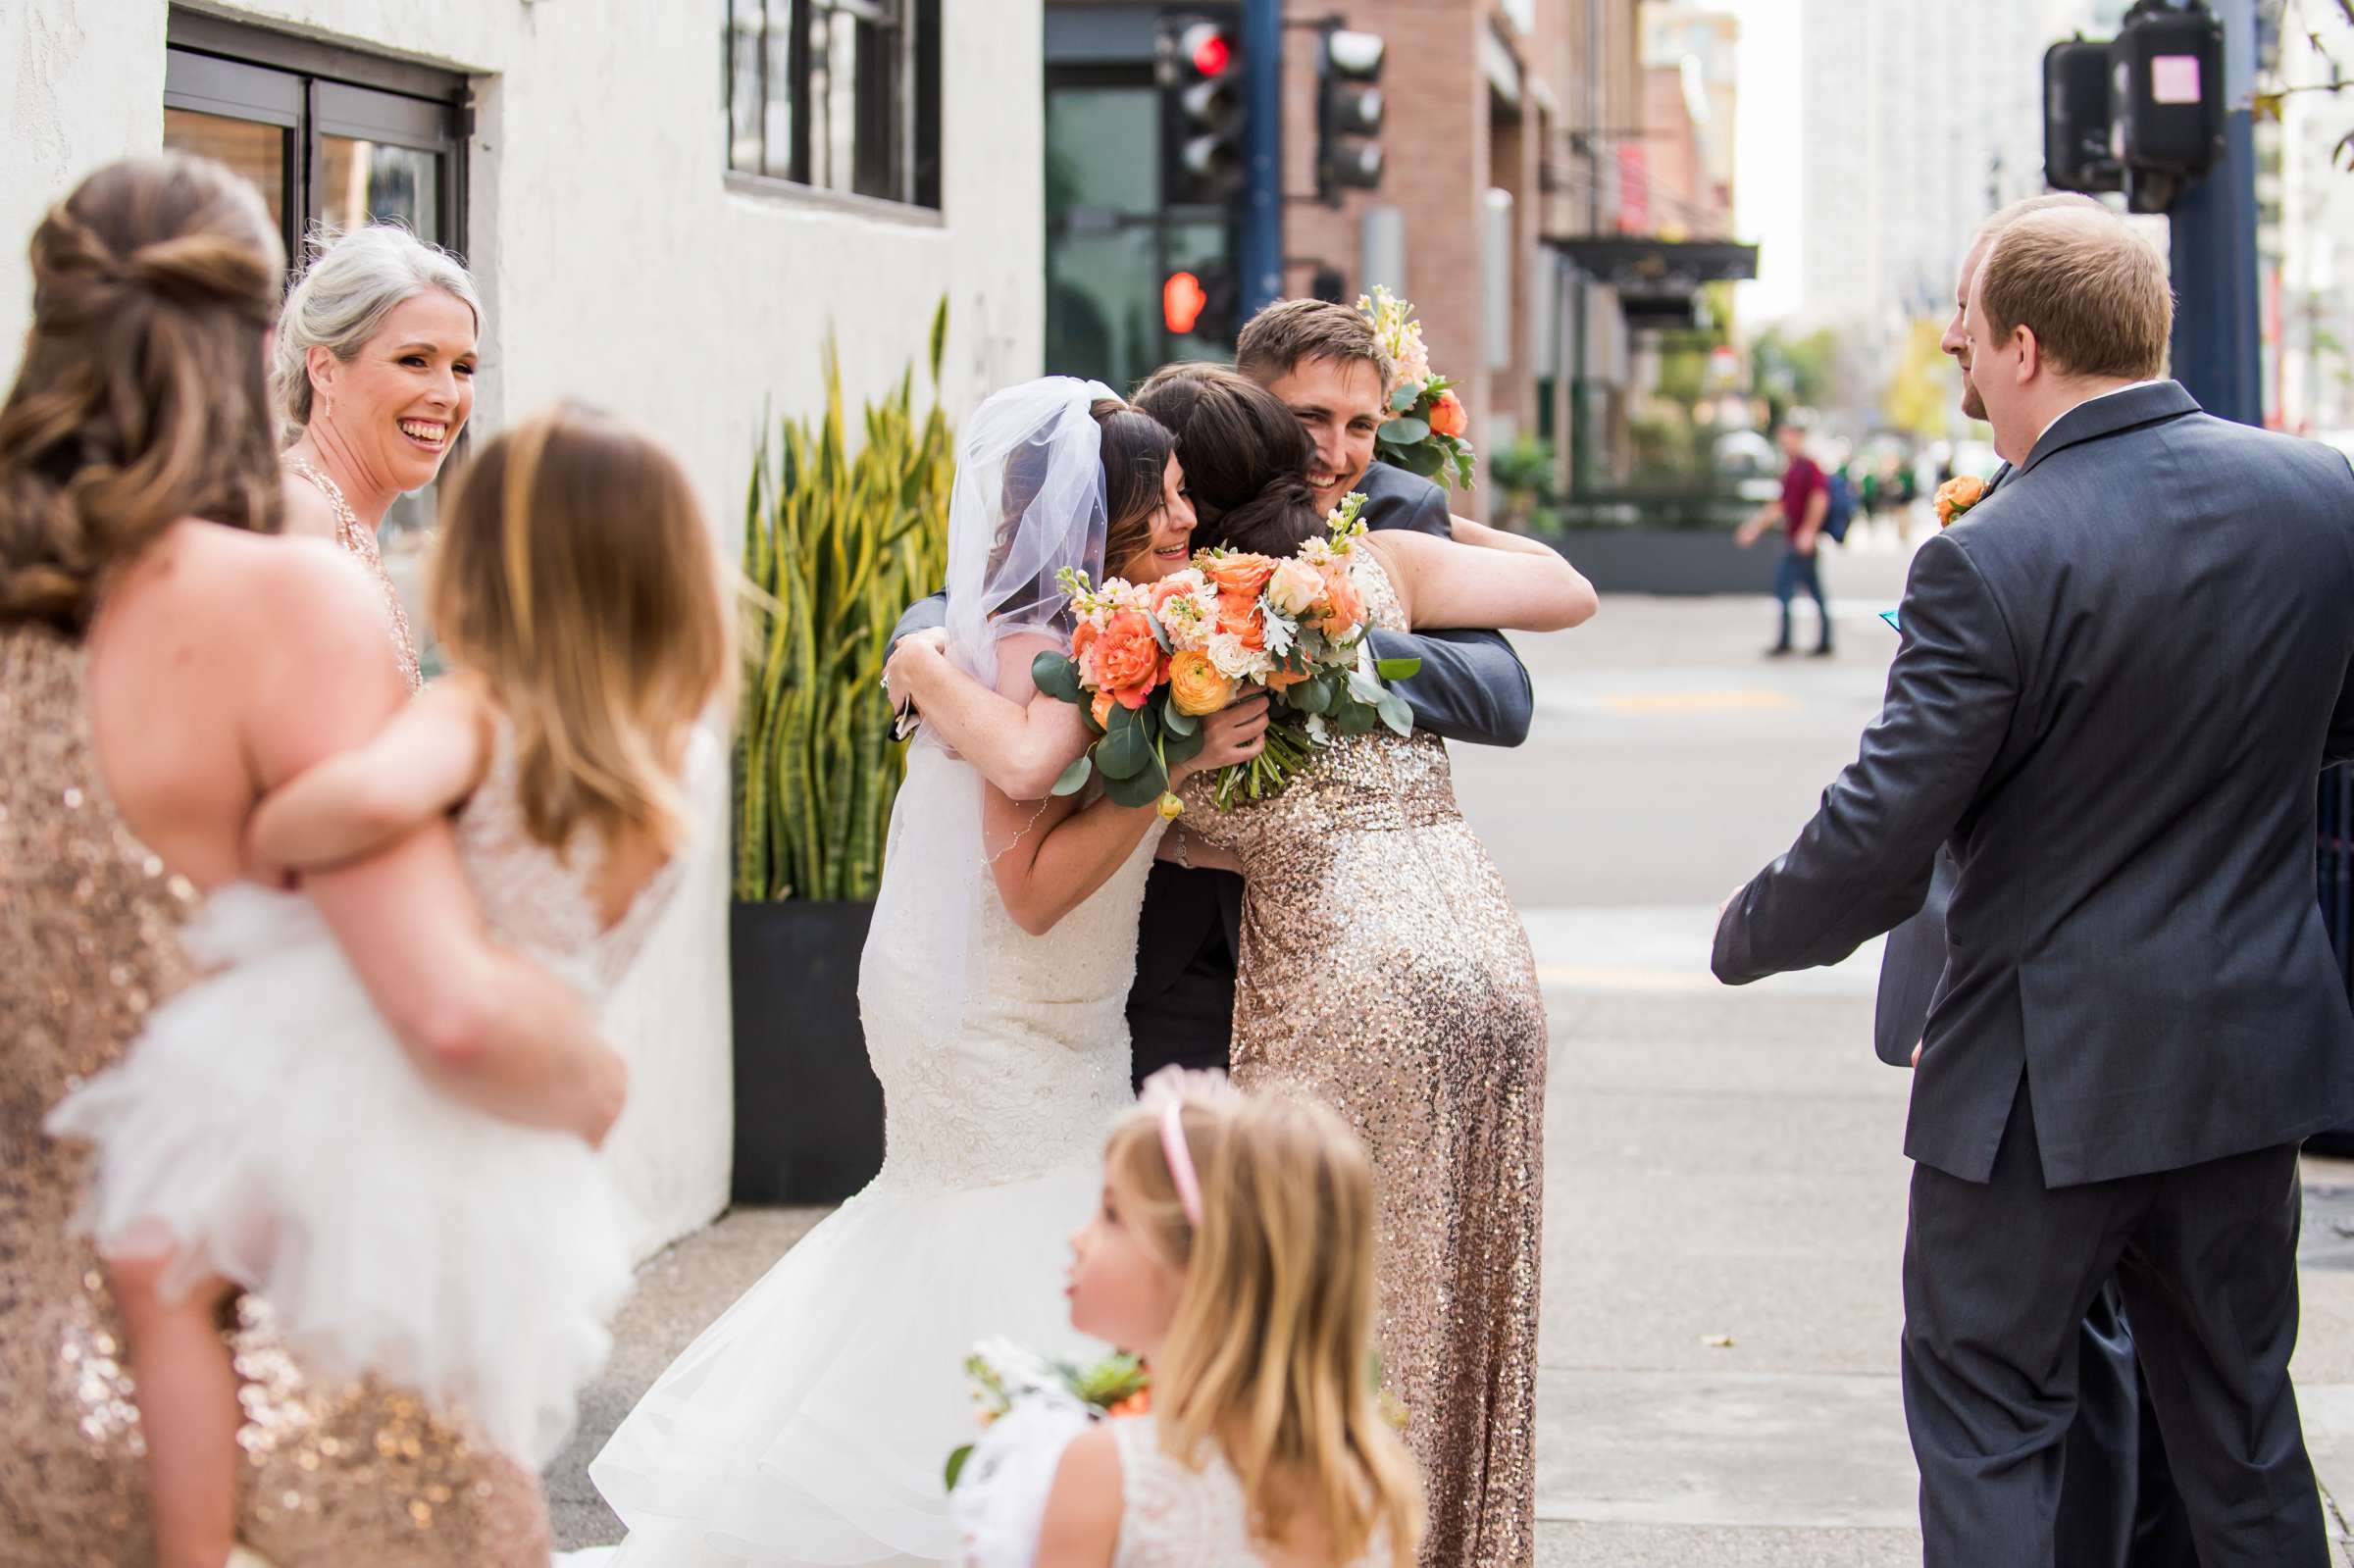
(932,644)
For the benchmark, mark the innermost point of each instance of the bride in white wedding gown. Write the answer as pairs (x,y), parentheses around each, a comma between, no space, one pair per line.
(812,1422)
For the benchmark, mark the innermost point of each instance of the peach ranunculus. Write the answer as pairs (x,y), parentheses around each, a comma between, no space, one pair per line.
(1197,687)
(1169,587)
(1102,709)
(1240,575)
(1285,680)
(1128,659)
(1294,586)
(1447,417)
(1344,609)
(1958,495)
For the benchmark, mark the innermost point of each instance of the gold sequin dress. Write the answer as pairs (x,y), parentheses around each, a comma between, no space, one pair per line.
(88,943)
(1384,971)
(360,539)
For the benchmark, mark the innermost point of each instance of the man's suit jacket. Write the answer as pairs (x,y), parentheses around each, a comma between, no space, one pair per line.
(1915,957)
(2119,675)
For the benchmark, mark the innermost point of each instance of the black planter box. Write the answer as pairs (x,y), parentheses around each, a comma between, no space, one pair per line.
(808,1111)
(1648,559)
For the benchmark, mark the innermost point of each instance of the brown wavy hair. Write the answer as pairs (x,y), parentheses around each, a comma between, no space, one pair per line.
(1244,454)
(1136,452)
(142,399)
(576,576)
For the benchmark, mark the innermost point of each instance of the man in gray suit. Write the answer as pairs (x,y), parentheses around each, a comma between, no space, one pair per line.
(2118,1503)
(2119,675)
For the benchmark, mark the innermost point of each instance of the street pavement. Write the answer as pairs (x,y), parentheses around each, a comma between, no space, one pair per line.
(1724,1186)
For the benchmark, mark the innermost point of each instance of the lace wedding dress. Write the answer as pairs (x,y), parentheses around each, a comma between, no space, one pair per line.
(812,1424)
(270,1123)
(1175,1516)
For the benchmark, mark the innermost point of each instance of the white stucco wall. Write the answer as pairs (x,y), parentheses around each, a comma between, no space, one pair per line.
(617,264)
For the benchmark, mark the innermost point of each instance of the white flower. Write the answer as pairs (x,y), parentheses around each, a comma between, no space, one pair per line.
(1318,731)
(1278,634)
(1234,661)
(1293,588)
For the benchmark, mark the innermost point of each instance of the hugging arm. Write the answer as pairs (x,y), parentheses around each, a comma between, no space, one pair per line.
(1445,584)
(426,760)
(1471,686)
(1866,861)
(487,1026)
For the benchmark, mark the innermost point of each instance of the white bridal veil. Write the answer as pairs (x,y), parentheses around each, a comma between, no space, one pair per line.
(1028,502)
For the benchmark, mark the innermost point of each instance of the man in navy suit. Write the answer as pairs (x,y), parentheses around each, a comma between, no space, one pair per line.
(2119,675)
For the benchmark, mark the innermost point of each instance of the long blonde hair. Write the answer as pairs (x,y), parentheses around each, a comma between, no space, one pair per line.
(1271,1350)
(576,575)
(140,398)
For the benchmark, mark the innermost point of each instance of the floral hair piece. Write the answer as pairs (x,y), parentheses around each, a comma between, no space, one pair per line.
(1165,1093)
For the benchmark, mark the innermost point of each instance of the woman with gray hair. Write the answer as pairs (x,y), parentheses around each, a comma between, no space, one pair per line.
(372,375)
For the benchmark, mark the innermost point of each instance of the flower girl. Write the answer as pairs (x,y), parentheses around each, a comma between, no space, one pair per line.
(1233,1251)
(269,1132)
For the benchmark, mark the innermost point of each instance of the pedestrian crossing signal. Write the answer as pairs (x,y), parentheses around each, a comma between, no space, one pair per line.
(1182,299)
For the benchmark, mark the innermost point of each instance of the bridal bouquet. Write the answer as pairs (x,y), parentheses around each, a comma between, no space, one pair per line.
(1424,432)
(1030,1409)
(1151,663)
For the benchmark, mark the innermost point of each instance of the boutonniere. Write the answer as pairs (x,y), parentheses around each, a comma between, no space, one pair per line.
(1958,495)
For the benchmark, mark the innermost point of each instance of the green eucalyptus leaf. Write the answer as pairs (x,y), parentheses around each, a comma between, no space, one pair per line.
(1423,458)
(1074,777)
(1147,785)
(1126,749)
(1057,676)
(1179,723)
(1406,431)
(1183,746)
(956,1464)
(1404,398)
(1313,696)
(1396,715)
(1398,669)
(1355,719)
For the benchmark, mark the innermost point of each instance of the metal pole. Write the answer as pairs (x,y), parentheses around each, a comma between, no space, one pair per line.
(1262,269)
(2218,348)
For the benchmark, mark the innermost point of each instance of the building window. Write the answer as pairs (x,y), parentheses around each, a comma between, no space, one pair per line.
(331,137)
(837,95)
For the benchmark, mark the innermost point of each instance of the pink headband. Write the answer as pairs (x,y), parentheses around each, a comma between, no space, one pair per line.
(1181,1159)
(1165,1093)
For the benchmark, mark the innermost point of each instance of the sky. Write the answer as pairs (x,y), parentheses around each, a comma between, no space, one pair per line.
(1765,180)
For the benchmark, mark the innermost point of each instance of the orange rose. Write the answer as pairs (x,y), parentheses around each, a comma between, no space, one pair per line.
(1102,709)
(1958,495)
(1139,1403)
(1285,680)
(1447,417)
(1167,589)
(1344,607)
(1128,659)
(1198,686)
(1238,576)
(1240,615)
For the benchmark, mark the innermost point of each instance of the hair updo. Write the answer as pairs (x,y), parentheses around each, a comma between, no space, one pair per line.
(352,282)
(141,400)
(1245,457)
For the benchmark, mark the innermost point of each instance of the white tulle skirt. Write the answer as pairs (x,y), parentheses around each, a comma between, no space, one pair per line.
(812,1423)
(268,1128)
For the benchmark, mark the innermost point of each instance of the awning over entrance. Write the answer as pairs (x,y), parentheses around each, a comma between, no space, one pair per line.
(1657,279)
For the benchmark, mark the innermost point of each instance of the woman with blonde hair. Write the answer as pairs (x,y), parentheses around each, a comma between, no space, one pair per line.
(163,666)
(263,1134)
(372,373)
(1233,1253)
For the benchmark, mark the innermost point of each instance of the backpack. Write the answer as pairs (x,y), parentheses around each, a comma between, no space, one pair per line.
(1842,510)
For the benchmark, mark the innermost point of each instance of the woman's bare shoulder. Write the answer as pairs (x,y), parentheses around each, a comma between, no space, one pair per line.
(308,512)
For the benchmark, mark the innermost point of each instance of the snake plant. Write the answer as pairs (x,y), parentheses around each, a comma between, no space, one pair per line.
(840,543)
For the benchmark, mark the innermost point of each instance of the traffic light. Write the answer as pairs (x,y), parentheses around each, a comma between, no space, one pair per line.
(1349,112)
(2075,118)
(1202,301)
(2143,114)
(2165,90)
(1201,72)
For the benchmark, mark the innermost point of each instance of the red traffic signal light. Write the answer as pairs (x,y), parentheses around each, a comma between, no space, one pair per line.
(1208,48)
(1182,298)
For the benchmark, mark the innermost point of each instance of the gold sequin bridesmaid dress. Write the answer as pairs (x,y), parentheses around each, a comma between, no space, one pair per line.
(1384,972)
(88,943)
